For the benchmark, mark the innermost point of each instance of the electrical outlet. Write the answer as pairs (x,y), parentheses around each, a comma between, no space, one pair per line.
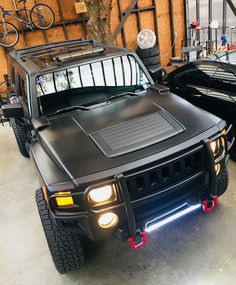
(176,34)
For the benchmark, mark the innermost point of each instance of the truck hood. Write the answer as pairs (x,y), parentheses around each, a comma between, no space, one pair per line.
(123,131)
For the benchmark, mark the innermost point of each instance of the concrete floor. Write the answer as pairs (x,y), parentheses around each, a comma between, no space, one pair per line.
(198,249)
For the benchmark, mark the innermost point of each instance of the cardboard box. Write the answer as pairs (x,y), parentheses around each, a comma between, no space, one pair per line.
(80,7)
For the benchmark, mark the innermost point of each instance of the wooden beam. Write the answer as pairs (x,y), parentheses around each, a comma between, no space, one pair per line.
(83,20)
(121,17)
(138,17)
(155,21)
(62,18)
(124,18)
(45,36)
(21,27)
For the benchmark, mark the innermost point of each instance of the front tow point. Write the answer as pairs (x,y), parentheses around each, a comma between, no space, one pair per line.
(138,241)
(209,205)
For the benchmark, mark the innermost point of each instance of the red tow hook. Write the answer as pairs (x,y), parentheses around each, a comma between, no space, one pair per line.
(138,241)
(206,208)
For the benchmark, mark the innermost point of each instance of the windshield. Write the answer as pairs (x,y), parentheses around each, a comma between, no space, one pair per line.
(89,84)
(229,56)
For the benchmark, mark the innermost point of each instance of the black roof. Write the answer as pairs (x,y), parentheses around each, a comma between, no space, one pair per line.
(49,57)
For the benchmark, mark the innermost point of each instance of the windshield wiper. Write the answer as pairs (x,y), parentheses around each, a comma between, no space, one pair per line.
(125,94)
(67,109)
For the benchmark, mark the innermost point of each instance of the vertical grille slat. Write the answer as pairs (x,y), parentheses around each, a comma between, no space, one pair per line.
(146,180)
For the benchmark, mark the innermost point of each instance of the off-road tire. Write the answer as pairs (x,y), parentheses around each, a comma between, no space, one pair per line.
(65,247)
(21,137)
(149,52)
(222,182)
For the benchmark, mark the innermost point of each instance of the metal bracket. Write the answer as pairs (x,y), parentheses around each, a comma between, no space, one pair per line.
(232,6)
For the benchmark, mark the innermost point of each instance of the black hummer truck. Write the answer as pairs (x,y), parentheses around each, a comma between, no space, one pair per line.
(116,153)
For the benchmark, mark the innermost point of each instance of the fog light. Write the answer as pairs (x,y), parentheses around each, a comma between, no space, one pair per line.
(64,201)
(108,220)
(217,168)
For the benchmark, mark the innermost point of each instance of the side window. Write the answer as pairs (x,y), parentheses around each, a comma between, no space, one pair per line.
(199,74)
(22,89)
(225,79)
(196,78)
(223,85)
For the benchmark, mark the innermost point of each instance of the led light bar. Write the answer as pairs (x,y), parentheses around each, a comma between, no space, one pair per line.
(78,54)
(163,222)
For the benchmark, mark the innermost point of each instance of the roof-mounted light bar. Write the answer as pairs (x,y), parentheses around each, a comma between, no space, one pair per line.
(78,54)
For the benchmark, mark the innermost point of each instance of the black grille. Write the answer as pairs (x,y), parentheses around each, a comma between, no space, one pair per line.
(154,178)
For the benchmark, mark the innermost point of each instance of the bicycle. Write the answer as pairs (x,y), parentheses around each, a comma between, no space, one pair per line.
(40,16)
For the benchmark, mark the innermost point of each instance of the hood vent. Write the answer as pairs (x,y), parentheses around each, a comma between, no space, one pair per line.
(136,133)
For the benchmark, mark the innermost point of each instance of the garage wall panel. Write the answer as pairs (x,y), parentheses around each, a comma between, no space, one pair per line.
(131,29)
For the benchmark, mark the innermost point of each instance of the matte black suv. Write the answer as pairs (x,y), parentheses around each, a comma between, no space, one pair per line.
(116,154)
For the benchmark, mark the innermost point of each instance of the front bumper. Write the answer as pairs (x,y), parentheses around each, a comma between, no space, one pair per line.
(138,215)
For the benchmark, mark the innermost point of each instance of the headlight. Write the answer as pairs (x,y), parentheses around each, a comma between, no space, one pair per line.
(218,148)
(102,195)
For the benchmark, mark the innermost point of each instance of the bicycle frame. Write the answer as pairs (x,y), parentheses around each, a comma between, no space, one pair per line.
(8,13)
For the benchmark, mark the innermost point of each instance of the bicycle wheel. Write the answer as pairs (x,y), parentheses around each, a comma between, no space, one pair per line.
(9,35)
(42,16)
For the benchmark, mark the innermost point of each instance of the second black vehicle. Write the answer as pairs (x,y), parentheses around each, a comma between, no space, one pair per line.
(209,83)
(116,154)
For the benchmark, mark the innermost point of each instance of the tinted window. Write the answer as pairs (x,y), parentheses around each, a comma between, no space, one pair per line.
(13,75)
(197,75)
(22,89)
(223,85)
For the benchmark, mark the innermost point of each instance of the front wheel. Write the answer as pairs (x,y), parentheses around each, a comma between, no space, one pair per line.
(222,182)
(66,247)
(9,35)
(42,16)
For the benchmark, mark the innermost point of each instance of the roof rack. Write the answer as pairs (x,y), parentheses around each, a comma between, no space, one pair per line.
(44,47)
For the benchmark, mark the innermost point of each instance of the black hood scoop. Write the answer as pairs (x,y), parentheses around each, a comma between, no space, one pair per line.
(136,133)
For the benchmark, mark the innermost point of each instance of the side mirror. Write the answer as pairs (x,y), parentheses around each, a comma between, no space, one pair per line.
(12,110)
(156,73)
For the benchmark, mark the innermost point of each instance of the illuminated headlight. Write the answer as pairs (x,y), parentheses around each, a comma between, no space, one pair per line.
(108,220)
(218,148)
(217,168)
(102,195)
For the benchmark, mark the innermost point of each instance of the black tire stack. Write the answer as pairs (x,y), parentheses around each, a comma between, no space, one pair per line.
(151,59)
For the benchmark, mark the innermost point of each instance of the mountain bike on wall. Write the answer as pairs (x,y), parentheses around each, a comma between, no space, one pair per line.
(40,16)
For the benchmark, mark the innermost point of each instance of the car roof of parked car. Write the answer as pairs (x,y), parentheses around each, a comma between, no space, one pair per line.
(224,56)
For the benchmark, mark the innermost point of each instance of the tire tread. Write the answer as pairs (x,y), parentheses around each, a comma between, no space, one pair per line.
(21,137)
(65,247)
